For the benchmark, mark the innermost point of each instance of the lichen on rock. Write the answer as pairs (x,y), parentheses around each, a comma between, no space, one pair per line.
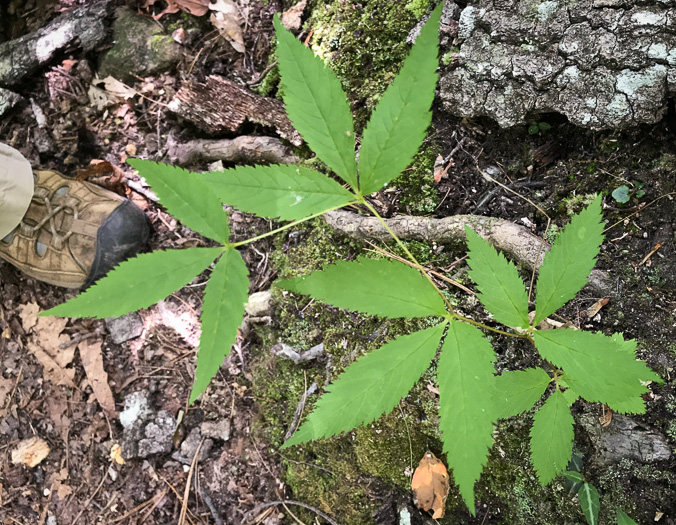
(604,64)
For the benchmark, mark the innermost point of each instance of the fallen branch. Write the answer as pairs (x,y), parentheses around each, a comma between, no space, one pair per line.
(506,236)
(244,149)
(22,56)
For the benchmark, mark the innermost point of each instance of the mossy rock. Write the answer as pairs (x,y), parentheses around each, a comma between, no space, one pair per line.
(141,48)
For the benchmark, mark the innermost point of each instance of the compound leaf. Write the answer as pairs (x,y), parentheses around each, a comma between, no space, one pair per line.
(138,283)
(551,438)
(566,267)
(187,197)
(283,191)
(589,501)
(502,291)
(518,391)
(316,105)
(224,297)
(398,124)
(371,386)
(371,286)
(466,394)
(597,367)
(623,519)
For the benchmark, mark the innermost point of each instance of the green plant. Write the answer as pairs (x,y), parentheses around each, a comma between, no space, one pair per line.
(590,502)
(622,193)
(578,364)
(536,127)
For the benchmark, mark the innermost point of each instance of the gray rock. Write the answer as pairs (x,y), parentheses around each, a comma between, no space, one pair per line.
(602,63)
(217,429)
(8,99)
(140,48)
(146,432)
(186,452)
(124,328)
(625,438)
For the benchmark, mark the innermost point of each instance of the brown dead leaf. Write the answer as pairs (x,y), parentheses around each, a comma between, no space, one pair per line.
(226,18)
(44,343)
(430,485)
(192,7)
(29,315)
(30,452)
(594,309)
(104,174)
(57,486)
(57,410)
(291,18)
(92,361)
(607,418)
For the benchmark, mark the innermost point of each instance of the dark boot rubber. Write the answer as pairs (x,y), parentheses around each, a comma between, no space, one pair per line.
(123,234)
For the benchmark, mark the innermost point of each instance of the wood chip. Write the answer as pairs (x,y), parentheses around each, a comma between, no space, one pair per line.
(30,452)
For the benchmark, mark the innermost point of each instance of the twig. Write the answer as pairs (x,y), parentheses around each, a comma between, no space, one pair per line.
(299,410)
(493,193)
(264,506)
(186,493)
(140,189)
(81,337)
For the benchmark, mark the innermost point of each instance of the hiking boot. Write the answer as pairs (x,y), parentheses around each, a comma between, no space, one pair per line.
(74,232)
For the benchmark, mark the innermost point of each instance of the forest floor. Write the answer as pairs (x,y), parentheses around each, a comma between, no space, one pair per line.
(47,379)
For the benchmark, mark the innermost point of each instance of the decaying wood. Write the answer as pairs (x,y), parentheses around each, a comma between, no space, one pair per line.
(220,105)
(506,236)
(84,27)
(244,149)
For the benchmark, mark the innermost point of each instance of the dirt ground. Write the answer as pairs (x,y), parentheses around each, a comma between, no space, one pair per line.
(57,400)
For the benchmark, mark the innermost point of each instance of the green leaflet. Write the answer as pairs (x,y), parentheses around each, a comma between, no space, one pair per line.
(518,391)
(187,197)
(226,293)
(574,476)
(551,438)
(566,267)
(623,519)
(316,105)
(466,393)
(597,367)
(138,283)
(502,291)
(371,386)
(371,286)
(589,501)
(398,124)
(282,191)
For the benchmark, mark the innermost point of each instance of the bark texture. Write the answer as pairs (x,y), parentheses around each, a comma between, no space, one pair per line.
(85,26)
(243,149)
(220,105)
(601,63)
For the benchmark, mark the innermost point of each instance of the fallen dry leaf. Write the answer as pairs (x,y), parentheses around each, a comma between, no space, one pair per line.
(594,309)
(430,485)
(291,18)
(30,452)
(92,361)
(116,454)
(227,19)
(192,7)
(57,486)
(44,342)
(607,418)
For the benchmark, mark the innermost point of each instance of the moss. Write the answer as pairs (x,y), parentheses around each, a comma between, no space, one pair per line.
(364,44)
(575,203)
(419,194)
(418,7)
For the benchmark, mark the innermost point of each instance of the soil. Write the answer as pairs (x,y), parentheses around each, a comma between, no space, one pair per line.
(555,169)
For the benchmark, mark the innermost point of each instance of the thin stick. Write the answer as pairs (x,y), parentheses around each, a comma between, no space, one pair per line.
(264,506)
(186,493)
(639,210)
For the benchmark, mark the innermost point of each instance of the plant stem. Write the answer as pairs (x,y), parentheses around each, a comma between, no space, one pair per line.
(408,253)
(467,320)
(287,226)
